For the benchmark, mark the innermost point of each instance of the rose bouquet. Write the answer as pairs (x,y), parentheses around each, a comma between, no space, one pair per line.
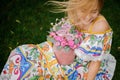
(65,39)
(64,35)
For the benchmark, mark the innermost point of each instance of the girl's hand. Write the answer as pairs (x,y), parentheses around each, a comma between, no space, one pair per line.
(93,69)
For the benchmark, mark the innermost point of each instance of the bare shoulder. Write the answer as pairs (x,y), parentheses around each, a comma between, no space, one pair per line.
(101,25)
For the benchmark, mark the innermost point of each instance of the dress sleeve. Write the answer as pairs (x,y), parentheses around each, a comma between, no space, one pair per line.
(94,47)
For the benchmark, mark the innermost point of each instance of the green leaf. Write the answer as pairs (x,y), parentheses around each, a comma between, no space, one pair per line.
(76,41)
(18,21)
(64,68)
(51,78)
(50,39)
(67,48)
(51,30)
(59,47)
(58,28)
(35,78)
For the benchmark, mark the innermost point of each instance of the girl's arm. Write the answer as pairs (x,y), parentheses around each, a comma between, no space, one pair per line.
(93,69)
(99,26)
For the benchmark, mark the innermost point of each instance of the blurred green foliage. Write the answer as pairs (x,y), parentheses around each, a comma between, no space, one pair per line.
(28,22)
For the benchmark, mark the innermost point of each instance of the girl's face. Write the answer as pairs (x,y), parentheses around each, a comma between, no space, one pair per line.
(91,15)
(87,16)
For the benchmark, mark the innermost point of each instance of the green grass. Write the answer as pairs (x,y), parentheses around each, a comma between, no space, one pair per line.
(23,22)
(27,22)
(111,12)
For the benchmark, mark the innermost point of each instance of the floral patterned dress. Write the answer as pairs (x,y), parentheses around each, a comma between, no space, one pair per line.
(97,47)
(38,62)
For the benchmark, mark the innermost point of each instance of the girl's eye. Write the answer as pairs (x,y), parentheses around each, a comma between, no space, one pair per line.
(94,11)
(83,10)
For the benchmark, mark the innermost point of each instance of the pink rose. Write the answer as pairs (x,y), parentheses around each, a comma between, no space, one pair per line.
(52,34)
(77,36)
(63,43)
(66,26)
(69,37)
(58,38)
(61,32)
(71,43)
(78,33)
(75,46)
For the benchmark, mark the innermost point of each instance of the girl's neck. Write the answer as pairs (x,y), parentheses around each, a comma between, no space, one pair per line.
(84,27)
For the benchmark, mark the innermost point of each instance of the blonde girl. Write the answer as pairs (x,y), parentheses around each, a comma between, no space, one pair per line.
(85,15)
(93,60)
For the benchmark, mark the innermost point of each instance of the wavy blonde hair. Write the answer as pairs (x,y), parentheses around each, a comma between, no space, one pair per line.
(72,6)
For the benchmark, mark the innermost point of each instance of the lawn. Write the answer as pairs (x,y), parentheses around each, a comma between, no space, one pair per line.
(28,22)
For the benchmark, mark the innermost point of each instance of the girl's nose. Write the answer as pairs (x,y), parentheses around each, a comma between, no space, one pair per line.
(87,17)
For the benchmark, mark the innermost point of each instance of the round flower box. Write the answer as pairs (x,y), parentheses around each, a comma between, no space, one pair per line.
(64,57)
(65,39)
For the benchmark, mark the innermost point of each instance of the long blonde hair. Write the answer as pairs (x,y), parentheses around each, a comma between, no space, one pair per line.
(71,6)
